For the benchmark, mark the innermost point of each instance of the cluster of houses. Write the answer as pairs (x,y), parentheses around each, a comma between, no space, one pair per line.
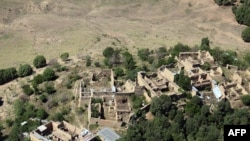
(210,85)
(114,106)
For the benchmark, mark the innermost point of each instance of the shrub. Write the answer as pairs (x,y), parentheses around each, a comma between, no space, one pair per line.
(43,98)
(245,35)
(49,74)
(118,72)
(65,56)
(88,61)
(246,100)
(7,75)
(143,54)
(108,52)
(97,64)
(27,90)
(49,88)
(24,70)
(39,61)
(41,113)
(37,80)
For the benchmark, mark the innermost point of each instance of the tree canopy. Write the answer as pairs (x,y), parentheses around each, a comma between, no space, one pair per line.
(49,74)
(39,61)
(64,56)
(246,33)
(24,70)
(7,75)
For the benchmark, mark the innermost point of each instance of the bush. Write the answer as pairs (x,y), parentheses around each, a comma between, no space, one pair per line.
(65,56)
(246,100)
(24,70)
(43,98)
(245,35)
(224,2)
(108,52)
(41,113)
(97,64)
(206,66)
(58,117)
(49,74)
(39,61)
(27,90)
(49,88)
(7,75)
(242,14)
(143,54)
(118,72)
(88,61)
(37,80)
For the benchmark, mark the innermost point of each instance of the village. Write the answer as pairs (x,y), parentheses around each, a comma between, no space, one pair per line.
(110,106)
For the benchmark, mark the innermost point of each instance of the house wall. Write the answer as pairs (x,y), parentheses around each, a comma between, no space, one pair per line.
(237,78)
(102,122)
(167,74)
(142,82)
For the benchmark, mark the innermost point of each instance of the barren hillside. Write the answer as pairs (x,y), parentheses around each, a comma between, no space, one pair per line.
(50,27)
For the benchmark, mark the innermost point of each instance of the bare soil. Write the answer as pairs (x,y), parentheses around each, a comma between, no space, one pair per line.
(51,27)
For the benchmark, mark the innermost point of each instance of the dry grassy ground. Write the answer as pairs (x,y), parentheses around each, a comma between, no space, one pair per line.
(50,27)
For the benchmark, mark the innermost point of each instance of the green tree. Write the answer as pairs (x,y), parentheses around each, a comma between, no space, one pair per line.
(49,74)
(24,70)
(242,13)
(118,72)
(39,61)
(161,52)
(43,98)
(205,44)
(49,88)
(27,90)
(193,106)
(161,105)
(88,61)
(224,2)
(246,99)
(206,66)
(179,48)
(64,56)
(37,80)
(182,80)
(41,113)
(7,75)
(57,116)
(108,52)
(246,33)
(128,61)
(143,54)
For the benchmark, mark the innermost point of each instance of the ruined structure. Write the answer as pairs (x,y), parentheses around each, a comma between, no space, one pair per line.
(157,83)
(60,131)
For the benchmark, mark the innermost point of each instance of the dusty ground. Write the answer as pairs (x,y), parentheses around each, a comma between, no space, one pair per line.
(50,27)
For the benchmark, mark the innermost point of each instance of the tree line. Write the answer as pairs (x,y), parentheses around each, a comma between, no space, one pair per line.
(242,14)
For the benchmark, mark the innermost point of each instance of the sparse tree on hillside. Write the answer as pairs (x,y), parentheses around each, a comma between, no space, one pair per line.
(246,100)
(246,34)
(49,74)
(108,52)
(143,54)
(39,61)
(24,70)
(65,56)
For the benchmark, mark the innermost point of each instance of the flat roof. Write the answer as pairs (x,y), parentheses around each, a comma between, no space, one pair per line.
(42,128)
(108,134)
(217,92)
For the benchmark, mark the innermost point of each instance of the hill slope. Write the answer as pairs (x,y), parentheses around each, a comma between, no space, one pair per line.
(51,27)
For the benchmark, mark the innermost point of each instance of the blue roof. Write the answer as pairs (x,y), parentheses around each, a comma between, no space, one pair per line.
(217,92)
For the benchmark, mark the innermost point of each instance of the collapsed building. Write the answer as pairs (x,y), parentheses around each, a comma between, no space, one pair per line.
(60,131)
